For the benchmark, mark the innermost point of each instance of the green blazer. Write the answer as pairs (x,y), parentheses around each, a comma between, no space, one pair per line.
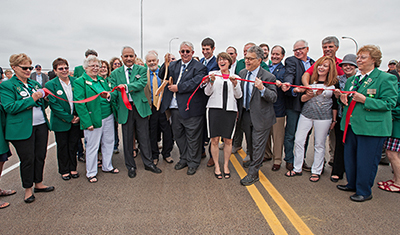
(396,118)
(3,143)
(136,88)
(78,71)
(60,117)
(241,65)
(18,107)
(374,117)
(90,113)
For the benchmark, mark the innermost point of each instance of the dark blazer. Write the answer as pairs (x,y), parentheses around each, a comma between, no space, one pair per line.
(294,70)
(189,81)
(262,112)
(212,64)
(279,105)
(45,78)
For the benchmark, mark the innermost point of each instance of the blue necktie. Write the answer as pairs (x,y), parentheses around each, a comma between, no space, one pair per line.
(129,73)
(248,94)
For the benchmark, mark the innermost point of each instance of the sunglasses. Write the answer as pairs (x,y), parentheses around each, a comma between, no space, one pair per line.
(117,63)
(63,68)
(185,51)
(299,49)
(26,68)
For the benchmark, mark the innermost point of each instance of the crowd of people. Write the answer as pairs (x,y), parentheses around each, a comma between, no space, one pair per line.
(274,105)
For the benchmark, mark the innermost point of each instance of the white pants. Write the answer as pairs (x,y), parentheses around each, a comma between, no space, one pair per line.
(321,130)
(105,135)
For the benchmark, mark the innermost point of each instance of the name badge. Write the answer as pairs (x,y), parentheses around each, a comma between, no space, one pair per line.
(89,83)
(23,93)
(371,91)
(59,92)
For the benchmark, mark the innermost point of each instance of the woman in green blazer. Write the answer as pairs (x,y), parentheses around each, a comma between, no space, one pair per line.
(370,122)
(392,146)
(96,117)
(63,119)
(26,123)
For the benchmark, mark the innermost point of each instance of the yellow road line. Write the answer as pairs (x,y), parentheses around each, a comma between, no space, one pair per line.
(297,222)
(267,212)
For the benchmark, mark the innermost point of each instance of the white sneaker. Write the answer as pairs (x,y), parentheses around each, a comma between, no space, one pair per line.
(247,158)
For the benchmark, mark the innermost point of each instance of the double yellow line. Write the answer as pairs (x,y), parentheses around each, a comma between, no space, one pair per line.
(265,209)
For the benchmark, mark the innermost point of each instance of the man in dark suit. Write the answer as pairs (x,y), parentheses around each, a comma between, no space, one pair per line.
(256,110)
(39,76)
(295,67)
(136,120)
(187,125)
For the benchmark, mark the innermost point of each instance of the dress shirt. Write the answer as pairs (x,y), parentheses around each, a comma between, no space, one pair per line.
(233,68)
(39,78)
(127,81)
(68,92)
(206,61)
(252,77)
(307,63)
(174,103)
(151,81)
(272,67)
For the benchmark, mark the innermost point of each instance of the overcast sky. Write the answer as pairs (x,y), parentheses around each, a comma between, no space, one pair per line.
(47,29)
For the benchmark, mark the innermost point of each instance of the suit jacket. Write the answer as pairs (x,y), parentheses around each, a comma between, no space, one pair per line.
(147,89)
(262,112)
(279,105)
(136,87)
(90,113)
(18,105)
(212,64)
(78,71)
(374,117)
(45,78)
(241,65)
(294,70)
(60,117)
(190,79)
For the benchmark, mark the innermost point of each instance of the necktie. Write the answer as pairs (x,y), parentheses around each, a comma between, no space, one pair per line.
(155,86)
(248,94)
(205,62)
(180,75)
(225,95)
(129,74)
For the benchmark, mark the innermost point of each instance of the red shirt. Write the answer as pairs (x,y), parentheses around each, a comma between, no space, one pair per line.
(338,68)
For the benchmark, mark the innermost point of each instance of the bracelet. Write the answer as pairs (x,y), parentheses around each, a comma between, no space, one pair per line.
(334,121)
(211,81)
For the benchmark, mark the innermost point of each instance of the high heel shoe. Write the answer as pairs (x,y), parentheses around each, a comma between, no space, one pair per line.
(30,199)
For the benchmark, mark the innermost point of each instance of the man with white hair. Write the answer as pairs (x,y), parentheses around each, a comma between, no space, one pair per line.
(187,124)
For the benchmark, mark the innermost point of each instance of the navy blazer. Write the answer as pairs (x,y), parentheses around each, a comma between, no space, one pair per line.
(188,83)
(212,64)
(294,70)
(279,105)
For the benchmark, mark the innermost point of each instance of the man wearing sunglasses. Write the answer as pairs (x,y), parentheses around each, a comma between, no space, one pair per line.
(187,124)
(39,76)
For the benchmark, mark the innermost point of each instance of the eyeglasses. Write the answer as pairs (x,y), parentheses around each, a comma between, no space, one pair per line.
(298,49)
(231,53)
(94,66)
(26,68)
(185,51)
(249,58)
(63,68)
(117,63)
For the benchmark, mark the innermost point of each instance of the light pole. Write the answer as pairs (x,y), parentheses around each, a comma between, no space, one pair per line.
(141,28)
(170,44)
(344,37)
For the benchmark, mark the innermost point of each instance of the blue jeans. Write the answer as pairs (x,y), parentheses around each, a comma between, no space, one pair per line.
(292,117)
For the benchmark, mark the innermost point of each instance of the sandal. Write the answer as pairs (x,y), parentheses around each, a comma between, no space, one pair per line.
(389,182)
(7,192)
(293,173)
(135,152)
(4,204)
(390,188)
(227,175)
(334,179)
(99,163)
(113,171)
(218,176)
(92,179)
(314,178)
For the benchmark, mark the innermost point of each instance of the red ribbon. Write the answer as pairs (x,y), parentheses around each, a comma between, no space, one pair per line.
(225,76)
(121,88)
(348,115)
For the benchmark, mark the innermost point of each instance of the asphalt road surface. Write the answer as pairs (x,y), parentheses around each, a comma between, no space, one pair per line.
(175,203)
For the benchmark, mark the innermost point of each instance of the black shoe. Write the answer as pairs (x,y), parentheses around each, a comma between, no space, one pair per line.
(360,198)
(249,180)
(67,177)
(43,190)
(345,188)
(75,175)
(306,167)
(30,199)
(335,180)
(81,159)
(179,166)
(153,169)
(246,164)
(191,171)
(132,173)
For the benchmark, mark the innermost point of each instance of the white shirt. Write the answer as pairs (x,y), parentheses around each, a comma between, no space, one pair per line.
(37,114)
(233,68)
(68,92)
(39,78)
(127,81)
(174,103)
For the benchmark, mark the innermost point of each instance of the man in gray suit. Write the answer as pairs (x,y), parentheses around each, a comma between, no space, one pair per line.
(256,110)
(39,76)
